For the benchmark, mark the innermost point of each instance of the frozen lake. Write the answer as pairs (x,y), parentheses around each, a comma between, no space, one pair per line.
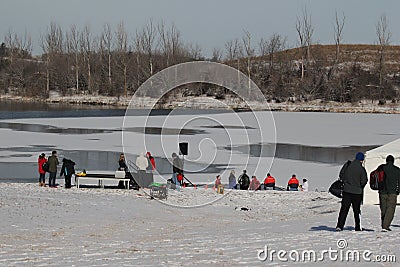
(311,145)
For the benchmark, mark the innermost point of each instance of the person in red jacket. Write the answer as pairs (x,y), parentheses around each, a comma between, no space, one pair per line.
(152,162)
(269,182)
(293,184)
(254,184)
(42,174)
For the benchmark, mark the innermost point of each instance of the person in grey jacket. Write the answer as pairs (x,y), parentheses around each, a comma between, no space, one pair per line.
(53,163)
(388,195)
(355,178)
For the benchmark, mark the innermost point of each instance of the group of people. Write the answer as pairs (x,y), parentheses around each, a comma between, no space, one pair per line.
(354,177)
(244,182)
(50,165)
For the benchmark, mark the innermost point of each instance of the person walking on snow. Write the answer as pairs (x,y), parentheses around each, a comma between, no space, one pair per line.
(388,195)
(354,178)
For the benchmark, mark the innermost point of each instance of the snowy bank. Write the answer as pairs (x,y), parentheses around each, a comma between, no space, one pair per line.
(93,227)
(203,102)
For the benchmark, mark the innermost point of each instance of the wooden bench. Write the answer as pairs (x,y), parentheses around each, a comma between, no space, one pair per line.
(119,176)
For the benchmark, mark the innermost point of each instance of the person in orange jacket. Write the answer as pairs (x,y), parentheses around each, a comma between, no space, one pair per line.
(269,182)
(293,184)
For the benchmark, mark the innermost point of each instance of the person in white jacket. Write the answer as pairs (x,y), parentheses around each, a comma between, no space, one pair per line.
(304,187)
(141,162)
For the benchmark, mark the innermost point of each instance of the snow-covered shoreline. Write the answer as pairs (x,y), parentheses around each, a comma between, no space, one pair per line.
(112,227)
(365,106)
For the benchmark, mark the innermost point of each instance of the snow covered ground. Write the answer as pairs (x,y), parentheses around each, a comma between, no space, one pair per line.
(109,227)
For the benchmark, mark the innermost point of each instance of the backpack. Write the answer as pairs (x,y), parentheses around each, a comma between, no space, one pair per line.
(45,166)
(377,179)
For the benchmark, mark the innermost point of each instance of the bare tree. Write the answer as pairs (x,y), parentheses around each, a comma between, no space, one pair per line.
(338,32)
(270,47)
(87,49)
(304,31)
(170,43)
(122,53)
(106,43)
(147,43)
(52,45)
(193,51)
(248,52)
(383,34)
(216,55)
(73,47)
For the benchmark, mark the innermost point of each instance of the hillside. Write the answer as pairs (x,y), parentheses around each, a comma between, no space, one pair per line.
(360,73)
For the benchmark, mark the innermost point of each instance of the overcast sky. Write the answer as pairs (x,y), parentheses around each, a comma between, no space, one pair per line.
(209,23)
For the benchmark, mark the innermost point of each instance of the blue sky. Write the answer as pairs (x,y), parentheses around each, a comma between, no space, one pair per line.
(209,23)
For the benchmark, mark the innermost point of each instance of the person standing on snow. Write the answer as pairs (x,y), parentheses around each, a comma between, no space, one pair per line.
(177,168)
(42,173)
(152,164)
(388,195)
(355,179)
(53,163)
(67,170)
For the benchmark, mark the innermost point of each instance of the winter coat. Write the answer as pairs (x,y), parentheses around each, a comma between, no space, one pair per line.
(53,163)
(142,162)
(232,181)
(354,178)
(304,187)
(122,165)
(217,183)
(269,181)
(151,160)
(67,167)
(392,179)
(293,182)
(254,184)
(177,165)
(41,161)
(244,181)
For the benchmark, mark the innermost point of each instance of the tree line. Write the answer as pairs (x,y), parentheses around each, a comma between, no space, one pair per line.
(116,63)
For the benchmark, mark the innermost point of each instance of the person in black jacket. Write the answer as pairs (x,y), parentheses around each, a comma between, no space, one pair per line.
(67,170)
(244,181)
(355,178)
(388,195)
